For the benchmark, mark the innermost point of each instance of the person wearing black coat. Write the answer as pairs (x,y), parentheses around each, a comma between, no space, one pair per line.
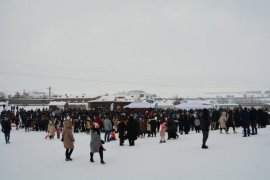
(28,124)
(153,124)
(230,122)
(245,120)
(132,130)
(205,123)
(237,118)
(214,120)
(122,131)
(17,121)
(181,123)
(171,129)
(186,122)
(6,128)
(262,118)
(253,120)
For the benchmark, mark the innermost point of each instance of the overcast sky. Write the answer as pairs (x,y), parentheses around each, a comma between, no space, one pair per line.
(166,47)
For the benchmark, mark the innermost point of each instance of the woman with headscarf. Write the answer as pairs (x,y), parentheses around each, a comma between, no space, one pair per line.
(96,143)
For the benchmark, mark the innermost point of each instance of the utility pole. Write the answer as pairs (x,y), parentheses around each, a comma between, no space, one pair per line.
(50,93)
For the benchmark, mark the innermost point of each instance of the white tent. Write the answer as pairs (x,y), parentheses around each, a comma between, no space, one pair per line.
(139,105)
(163,105)
(193,105)
(59,105)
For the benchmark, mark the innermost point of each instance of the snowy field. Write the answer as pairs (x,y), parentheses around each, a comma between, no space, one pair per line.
(230,156)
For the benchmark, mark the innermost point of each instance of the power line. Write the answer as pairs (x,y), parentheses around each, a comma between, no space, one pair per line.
(179,85)
(86,70)
(154,74)
(81,79)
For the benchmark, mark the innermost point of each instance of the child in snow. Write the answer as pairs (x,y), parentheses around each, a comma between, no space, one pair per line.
(162,132)
(47,136)
(113,135)
(58,131)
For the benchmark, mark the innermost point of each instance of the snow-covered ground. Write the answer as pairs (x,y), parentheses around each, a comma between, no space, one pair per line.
(230,156)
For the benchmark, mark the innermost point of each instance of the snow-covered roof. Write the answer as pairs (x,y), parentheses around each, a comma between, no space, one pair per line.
(139,105)
(57,103)
(112,98)
(104,99)
(83,103)
(192,105)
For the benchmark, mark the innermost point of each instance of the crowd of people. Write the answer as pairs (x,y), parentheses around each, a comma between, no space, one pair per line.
(131,124)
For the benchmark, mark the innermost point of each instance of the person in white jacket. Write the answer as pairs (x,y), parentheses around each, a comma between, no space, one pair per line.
(222,121)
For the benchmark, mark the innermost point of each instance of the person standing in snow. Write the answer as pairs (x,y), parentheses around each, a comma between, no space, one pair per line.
(214,120)
(245,120)
(197,123)
(143,127)
(158,122)
(58,130)
(223,121)
(68,139)
(96,143)
(107,123)
(51,130)
(132,130)
(153,126)
(122,131)
(205,123)
(230,121)
(6,128)
(17,121)
(171,129)
(186,122)
(148,128)
(27,124)
(162,132)
(253,120)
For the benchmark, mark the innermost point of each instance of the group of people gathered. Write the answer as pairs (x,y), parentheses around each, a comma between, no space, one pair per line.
(131,124)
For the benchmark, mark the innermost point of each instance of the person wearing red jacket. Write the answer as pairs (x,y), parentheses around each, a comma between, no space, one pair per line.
(100,123)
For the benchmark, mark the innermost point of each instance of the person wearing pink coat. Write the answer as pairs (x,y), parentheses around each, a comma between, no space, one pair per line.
(162,132)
